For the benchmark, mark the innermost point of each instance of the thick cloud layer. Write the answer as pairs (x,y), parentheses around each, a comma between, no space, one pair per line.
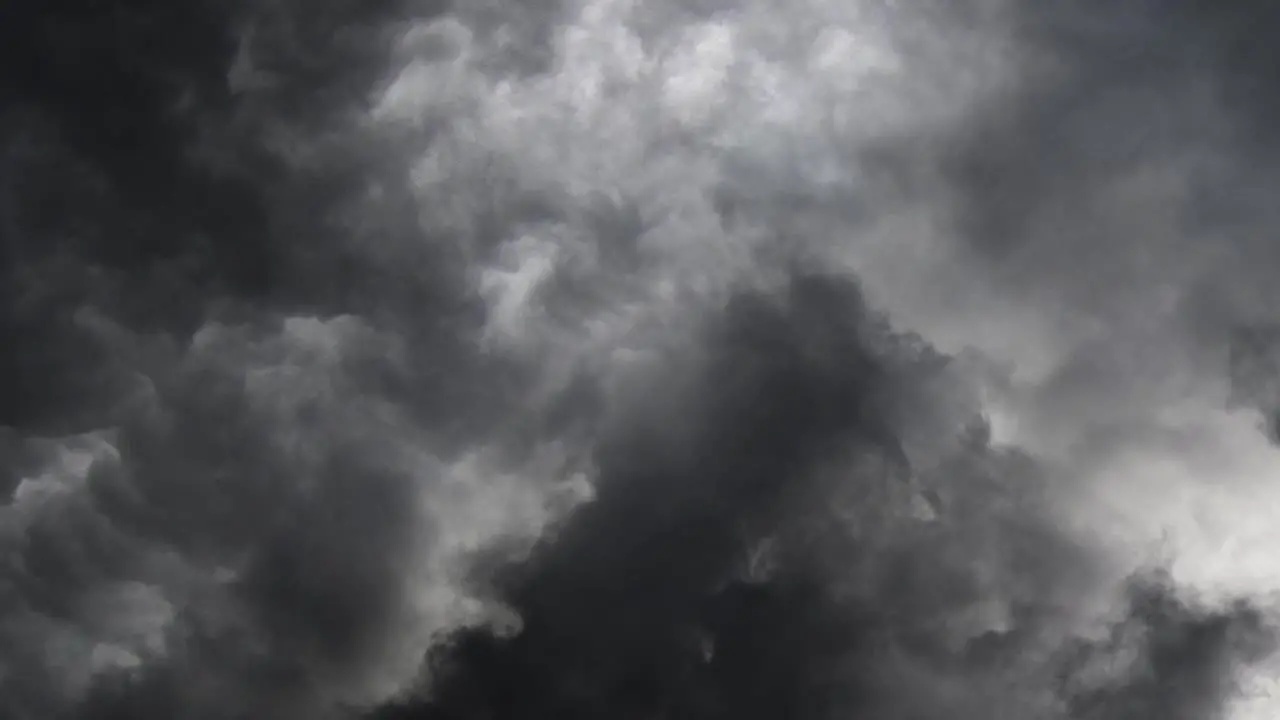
(596,358)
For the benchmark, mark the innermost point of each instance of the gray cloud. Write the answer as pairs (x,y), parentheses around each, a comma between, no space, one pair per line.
(601,358)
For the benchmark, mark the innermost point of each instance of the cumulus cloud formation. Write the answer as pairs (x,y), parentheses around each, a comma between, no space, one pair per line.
(599,358)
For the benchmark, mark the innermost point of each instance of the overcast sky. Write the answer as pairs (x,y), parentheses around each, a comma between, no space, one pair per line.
(674,359)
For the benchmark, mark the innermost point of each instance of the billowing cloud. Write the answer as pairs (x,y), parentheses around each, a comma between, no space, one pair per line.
(600,358)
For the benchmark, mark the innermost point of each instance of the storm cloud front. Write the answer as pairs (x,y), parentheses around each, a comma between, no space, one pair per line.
(682,359)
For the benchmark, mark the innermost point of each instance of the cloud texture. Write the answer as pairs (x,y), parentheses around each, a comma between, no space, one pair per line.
(595,358)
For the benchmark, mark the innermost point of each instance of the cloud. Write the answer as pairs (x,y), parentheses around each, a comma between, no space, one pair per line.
(603,358)
(256,522)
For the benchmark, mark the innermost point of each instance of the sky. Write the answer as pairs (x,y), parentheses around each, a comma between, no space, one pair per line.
(667,360)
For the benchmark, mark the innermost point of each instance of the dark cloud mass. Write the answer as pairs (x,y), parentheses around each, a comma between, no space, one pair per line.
(606,359)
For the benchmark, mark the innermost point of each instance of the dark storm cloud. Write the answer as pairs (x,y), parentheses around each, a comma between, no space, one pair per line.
(214,485)
(1123,183)
(657,599)
(253,525)
(1110,208)
(516,359)
(1187,657)
(762,549)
